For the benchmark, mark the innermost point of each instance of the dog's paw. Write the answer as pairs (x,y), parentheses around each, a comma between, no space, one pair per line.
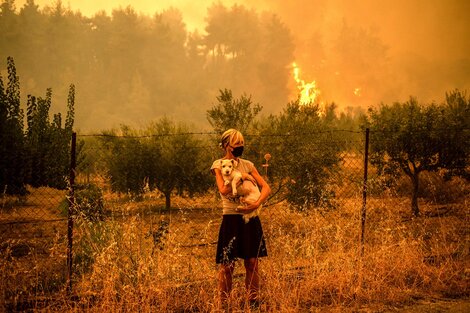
(226,182)
(239,207)
(234,193)
(246,218)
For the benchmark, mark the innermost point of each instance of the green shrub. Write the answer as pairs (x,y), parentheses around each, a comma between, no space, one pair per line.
(89,202)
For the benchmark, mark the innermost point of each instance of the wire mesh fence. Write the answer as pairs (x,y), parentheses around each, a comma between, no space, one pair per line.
(150,202)
(33,241)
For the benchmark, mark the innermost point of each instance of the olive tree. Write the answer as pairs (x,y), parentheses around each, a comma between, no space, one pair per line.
(303,155)
(129,160)
(181,166)
(164,156)
(232,113)
(409,138)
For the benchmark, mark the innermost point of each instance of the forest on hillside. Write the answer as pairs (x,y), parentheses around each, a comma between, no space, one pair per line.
(132,68)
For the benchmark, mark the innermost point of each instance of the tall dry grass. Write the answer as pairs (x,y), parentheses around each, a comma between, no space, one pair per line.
(314,261)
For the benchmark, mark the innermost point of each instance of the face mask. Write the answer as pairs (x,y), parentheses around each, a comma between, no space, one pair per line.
(238,151)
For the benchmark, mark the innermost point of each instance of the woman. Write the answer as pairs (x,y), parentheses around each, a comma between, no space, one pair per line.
(238,239)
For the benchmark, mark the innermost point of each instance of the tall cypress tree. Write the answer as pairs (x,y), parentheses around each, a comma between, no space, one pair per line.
(12,156)
(48,141)
(38,138)
(38,156)
(3,137)
(70,110)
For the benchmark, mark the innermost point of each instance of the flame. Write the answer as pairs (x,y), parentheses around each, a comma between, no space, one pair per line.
(308,92)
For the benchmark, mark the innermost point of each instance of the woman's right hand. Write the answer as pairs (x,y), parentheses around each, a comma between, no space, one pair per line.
(247,207)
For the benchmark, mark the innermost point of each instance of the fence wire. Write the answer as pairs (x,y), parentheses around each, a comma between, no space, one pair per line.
(33,241)
(123,209)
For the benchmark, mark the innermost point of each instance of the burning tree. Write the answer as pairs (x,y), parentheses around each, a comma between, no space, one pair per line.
(409,138)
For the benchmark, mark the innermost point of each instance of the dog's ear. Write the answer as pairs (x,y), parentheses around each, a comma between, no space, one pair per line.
(235,163)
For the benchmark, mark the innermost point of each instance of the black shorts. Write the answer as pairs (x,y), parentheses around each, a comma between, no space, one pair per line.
(240,240)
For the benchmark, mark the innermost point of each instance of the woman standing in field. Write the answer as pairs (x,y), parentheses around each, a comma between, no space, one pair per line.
(237,239)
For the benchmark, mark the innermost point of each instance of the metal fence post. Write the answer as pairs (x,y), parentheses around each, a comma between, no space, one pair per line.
(71,207)
(364,191)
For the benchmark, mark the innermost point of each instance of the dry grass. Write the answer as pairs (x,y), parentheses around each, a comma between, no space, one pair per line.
(314,261)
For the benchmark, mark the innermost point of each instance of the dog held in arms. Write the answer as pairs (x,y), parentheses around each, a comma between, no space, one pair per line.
(246,189)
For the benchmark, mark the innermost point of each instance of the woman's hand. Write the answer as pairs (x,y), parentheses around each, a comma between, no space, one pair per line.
(246,176)
(247,207)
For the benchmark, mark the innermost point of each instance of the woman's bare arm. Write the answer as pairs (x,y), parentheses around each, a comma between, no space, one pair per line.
(265,192)
(223,189)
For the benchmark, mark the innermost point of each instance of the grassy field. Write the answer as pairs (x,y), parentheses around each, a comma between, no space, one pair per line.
(147,259)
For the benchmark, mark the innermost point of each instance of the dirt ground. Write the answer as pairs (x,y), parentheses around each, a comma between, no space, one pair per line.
(422,306)
(435,306)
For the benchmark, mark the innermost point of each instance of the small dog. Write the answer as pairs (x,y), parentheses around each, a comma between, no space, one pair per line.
(246,189)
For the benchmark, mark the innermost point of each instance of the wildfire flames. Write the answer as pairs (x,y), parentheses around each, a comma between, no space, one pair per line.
(308,92)
(357,92)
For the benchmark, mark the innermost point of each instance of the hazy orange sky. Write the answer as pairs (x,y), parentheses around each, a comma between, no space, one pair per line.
(193,10)
(433,31)
(438,25)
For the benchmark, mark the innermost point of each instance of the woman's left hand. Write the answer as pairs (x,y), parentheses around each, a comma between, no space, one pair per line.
(246,176)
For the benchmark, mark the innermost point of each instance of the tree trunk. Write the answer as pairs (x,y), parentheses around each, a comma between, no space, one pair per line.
(167,200)
(414,196)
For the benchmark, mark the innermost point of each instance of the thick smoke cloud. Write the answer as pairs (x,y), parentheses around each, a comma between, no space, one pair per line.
(360,52)
(427,44)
